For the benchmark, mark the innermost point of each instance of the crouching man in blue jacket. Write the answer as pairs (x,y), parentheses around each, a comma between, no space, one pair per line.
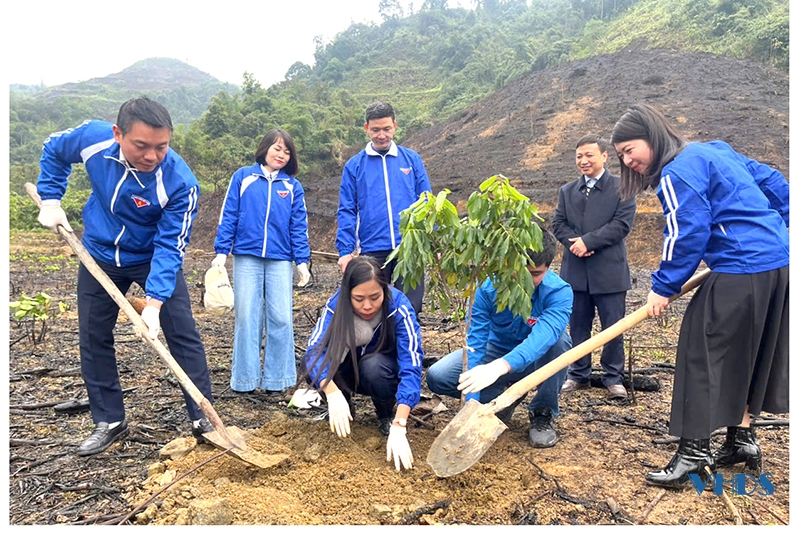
(504,348)
(137,223)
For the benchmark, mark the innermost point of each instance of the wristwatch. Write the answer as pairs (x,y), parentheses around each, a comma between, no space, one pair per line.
(399,421)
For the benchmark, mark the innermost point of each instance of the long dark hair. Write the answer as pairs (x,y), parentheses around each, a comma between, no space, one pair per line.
(646,123)
(272,136)
(339,339)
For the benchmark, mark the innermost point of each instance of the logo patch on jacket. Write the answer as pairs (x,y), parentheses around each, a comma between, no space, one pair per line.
(139,201)
(283,193)
(405,170)
(532,321)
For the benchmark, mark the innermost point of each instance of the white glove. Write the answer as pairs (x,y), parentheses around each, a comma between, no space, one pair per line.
(151,316)
(51,214)
(305,275)
(339,414)
(305,398)
(219,261)
(397,447)
(482,376)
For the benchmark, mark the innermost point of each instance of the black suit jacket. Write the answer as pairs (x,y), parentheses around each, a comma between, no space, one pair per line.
(602,220)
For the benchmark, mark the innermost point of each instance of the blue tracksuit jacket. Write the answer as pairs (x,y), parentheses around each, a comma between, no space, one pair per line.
(722,208)
(131,217)
(264,217)
(375,189)
(525,339)
(408,342)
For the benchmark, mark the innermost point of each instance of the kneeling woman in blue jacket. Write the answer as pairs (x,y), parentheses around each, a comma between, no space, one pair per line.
(263,223)
(369,342)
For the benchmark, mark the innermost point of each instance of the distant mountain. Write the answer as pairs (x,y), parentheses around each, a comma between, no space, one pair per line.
(37,111)
(183,89)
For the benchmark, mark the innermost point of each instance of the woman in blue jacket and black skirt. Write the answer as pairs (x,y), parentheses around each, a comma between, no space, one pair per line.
(731,212)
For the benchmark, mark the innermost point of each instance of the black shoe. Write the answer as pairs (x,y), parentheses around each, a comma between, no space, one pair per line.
(692,457)
(505,414)
(542,432)
(202,427)
(385,425)
(101,438)
(740,446)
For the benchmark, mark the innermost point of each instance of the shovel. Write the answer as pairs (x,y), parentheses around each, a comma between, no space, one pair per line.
(230,438)
(475,428)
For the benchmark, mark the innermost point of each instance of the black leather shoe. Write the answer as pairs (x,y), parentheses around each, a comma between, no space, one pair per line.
(542,432)
(740,446)
(385,425)
(202,427)
(692,457)
(101,438)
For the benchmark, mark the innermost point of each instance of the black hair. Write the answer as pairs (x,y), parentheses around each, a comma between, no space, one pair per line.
(339,340)
(379,110)
(593,139)
(272,136)
(646,123)
(548,252)
(143,109)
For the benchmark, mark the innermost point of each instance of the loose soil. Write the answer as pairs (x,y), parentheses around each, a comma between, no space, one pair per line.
(595,473)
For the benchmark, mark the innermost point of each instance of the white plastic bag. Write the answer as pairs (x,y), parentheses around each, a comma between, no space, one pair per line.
(218,296)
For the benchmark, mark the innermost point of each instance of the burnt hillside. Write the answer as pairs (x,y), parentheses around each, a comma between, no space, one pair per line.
(527,130)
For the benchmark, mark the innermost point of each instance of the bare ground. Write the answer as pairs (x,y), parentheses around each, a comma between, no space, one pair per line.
(594,475)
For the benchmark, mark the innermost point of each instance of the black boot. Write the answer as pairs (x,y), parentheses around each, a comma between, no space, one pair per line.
(692,457)
(740,446)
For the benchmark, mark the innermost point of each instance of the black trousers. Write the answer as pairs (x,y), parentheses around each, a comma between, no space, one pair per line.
(378,377)
(97,316)
(414,295)
(610,308)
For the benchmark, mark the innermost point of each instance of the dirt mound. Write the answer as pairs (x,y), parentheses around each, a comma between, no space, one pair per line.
(527,131)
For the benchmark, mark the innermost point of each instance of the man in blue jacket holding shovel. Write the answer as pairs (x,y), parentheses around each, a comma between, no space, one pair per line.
(503,348)
(137,223)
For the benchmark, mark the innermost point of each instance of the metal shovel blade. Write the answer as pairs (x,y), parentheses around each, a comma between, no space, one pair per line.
(465,439)
(241,449)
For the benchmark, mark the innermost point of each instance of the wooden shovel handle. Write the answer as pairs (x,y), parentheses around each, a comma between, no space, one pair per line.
(142,329)
(571,356)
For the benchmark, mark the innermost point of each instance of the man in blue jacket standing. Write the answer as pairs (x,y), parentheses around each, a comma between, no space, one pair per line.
(378,183)
(137,223)
(503,348)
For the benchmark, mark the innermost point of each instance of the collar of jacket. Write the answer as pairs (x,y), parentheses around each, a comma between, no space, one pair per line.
(371,151)
(114,152)
(597,185)
(256,171)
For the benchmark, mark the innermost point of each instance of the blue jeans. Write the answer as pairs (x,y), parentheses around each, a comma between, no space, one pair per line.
(262,295)
(443,376)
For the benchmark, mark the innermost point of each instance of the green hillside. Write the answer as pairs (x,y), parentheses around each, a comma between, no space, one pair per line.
(430,64)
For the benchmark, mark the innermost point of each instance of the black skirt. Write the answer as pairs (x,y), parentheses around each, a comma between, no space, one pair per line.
(733,352)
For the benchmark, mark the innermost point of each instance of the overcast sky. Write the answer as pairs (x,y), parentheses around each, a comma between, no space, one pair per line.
(54,42)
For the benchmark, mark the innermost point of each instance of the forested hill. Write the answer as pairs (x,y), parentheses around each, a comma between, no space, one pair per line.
(38,111)
(432,64)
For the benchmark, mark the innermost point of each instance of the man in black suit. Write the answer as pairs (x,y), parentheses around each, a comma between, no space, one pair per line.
(591,221)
